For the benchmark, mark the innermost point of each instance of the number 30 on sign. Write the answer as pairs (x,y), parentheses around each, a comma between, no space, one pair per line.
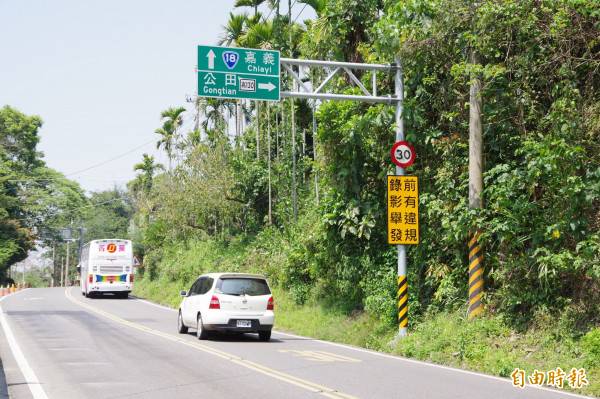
(403,154)
(403,210)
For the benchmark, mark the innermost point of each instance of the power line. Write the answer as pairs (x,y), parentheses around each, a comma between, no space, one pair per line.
(76,209)
(301,11)
(111,159)
(83,170)
(268,16)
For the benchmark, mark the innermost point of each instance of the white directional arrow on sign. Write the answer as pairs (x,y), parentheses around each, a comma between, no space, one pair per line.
(211,59)
(267,86)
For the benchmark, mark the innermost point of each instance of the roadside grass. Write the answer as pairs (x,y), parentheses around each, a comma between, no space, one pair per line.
(159,291)
(315,321)
(488,344)
(485,345)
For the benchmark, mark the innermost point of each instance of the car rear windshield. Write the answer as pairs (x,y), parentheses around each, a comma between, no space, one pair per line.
(243,286)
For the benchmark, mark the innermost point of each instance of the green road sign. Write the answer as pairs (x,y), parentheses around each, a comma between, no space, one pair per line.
(233,72)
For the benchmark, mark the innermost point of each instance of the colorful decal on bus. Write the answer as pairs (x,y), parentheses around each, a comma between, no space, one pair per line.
(104,279)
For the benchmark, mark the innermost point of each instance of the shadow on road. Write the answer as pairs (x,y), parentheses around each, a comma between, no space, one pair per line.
(237,337)
(3,386)
(108,296)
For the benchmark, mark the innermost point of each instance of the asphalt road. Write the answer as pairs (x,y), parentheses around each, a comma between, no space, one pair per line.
(55,343)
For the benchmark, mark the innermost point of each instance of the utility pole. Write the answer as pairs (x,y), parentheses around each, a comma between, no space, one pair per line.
(294,193)
(197,121)
(67,266)
(277,128)
(314,134)
(269,159)
(257,130)
(238,121)
(80,246)
(282,127)
(475,191)
(62,268)
(303,143)
(53,263)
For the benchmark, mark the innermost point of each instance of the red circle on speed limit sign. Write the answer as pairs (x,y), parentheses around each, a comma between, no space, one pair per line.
(403,154)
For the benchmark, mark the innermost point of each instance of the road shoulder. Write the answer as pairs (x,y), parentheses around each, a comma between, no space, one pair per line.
(12,380)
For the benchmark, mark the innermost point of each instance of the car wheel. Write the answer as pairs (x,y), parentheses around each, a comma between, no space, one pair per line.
(264,335)
(180,326)
(201,333)
(124,295)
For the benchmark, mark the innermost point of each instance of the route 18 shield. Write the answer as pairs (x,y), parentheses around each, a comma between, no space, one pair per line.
(230,58)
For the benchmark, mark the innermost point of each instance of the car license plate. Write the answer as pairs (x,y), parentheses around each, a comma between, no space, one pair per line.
(244,323)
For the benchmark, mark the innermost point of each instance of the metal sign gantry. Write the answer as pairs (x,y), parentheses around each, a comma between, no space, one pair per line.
(316,92)
(333,68)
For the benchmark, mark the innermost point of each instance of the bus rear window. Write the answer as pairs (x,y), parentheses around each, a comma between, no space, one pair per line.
(243,286)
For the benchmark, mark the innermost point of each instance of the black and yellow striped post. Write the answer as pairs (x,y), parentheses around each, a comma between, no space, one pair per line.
(475,276)
(402,298)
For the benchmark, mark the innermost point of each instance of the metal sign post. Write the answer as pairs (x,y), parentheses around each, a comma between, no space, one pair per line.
(402,279)
(223,74)
(317,92)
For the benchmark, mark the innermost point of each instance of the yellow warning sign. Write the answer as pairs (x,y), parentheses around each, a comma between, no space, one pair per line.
(403,210)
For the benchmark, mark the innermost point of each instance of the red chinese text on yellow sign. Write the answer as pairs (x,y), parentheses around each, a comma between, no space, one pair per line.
(403,210)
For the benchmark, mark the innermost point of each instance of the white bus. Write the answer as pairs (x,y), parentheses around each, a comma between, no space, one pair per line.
(106,266)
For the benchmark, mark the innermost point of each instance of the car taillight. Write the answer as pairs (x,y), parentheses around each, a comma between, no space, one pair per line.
(270,304)
(214,303)
(131,278)
(90,278)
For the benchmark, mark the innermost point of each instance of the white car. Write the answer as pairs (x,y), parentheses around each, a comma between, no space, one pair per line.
(227,302)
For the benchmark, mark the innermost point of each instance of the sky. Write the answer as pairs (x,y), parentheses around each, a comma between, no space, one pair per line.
(99,73)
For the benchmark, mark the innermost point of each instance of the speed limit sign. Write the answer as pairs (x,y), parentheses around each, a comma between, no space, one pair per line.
(403,154)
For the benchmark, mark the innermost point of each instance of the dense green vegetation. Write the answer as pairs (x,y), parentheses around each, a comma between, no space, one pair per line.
(539,65)
(37,202)
(251,188)
(323,238)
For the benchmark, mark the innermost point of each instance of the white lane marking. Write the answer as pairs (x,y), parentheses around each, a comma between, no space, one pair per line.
(83,364)
(105,384)
(290,379)
(156,305)
(32,381)
(68,348)
(33,299)
(398,358)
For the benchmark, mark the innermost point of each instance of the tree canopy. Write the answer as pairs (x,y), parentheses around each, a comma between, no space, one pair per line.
(539,65)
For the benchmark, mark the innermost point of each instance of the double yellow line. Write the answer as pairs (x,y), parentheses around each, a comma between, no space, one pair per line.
(290,379)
